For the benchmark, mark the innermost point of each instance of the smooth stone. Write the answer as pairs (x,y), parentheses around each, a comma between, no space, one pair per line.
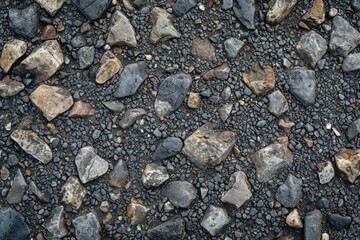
(51,6)
(12,51)
(45,197)
(92,9)
(119,175)
(168,148)
(351,63)
(17,190)
(215,219)
(73,192)
(181,194)
(171,229)
(302,85)
(154,175)
(114,106)
(339,222)
(12,225)
(82,109)
(121,32)
(290,193)
(130,117)
(55,224)
(239,190)
(353,129)
(313,225)
(87,227)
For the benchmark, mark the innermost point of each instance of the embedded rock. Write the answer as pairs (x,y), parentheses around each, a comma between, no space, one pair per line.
(259,80)
(92,9)
(180,193)
(121,31)
(136,211)
(203,49)
(114,106)
(110,65)
(316,13)
(82,109)
(154,175)
(280,10)
(17,190)
(294,220)
(221,72)
(348,163)
(302,85)
(326,171)
(313,225)
(9,88)
(351,62)
(12,225)
(183,6)
(168,148)
(119,175)
(171,229)
(162,27)
(131,116)
(233,46)
(51,6)
(24,22)
(225,111)
(73,192)
(239,190)
(339,222)
(353,129)
(278,104)
(55,224)
(215,219)
(87,227)
(290,193)
(86,56)
(11,52)
(245,12)
(36,191)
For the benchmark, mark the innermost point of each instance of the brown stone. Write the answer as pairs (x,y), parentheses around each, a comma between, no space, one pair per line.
(304,25)
(286,126)
(221,72)
(316,13)
(309,142)
(259,80)
(48,33)
(194,100)
(203,49)
(110,65)
(82,109)
(12,51)
(348,163)
(10,87)
(136,211)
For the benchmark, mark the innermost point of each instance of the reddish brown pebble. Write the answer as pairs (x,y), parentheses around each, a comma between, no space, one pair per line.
(48,33)
(82,109)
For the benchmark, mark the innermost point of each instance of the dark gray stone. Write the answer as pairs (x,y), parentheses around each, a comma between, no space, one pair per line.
(92,9)
(86,56)
(278,104)
(355,5)
(225,111)
(12,225)
(215,219)
(87,227)
(17,190)
(302,85)
(313,225)
(55,225)
(171,229)
(233,46)
(290,193)
(351,62)
(183,6)
(353,129)
(114,106)
(131,116)
(168,148)
(36,191)
(78,41)
(24,22)
(119,175)
(245,12)
(227,4)
(180,193)
(339,222)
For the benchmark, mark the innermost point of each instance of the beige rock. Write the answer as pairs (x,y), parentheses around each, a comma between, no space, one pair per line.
(162,27)
(203,49)
(316,13)
(51,6)
(51,100)
(9,87)
(73,192)
(12,51)
(294,220)
(259,80)
(325,236)
(220,72)
(348,163)
(110,65)
(280,10)
(136,211)
(286,126)
(194,100)
(121,31)
(82,109)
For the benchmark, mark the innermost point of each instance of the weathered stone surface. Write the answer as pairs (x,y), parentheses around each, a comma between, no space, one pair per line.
(162,27)
(51,100)
(208,147)
(17,190)
(45,197)
(286,126)
(171,93)
(339,222)
(183,6)
(110,65)
(351,62)
(168,148)
(89,165)
(24,22)
(171,229)
(82,109)
(120,174)
(353,129)
(245,12)
(221,72)
(290,193)
(302,85)
(278,104)
(11,52)
(73,192)
(225,111)
(316,13)
(259,80)
(313,225)
(33,145)
(136,211)
(311,48)
(131,116)
(280,10)
(355,4)
(48,33)
(154,175)
(43,62)
(233,46)
(215,219)
(55,225)
(194,100)
(12,225)
(86,56)
(92,9)
(130,79)
(121,31)
(51,6)
(294,220)
(87,227)
(180,193)
(239,190)
(203,49)
(326,171)
(348,163)
(9,88)
(270,160)
(344,37)
(114,106)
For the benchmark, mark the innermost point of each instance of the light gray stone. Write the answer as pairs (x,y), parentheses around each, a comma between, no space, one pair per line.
(154,175)
(245,11)
(278,104)
(290,193)
(131,116)
(233,46)
(73,192)
(215,219)
(17,190)
(119,175)
(239,190)
(353,129)
(86,56)
(121,32)
(351,62)
(87,227)
(55,225)
(302,83)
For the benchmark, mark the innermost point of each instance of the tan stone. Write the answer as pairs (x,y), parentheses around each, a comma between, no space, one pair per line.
(316,13)
(309,142)
(10,87)
(203,49)
(294,220)
(279,10)
(194,100)
(51,6)
(73,192)
(286,126)
(110,65)
(12,51)
(82,109)
(220,72)
(259,80)
(348,163)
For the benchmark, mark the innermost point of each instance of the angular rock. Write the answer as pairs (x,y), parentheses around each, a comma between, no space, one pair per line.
(11,52)
(168,148)
(280,10)
(131,116)
(48,33)
(355,4)
(171,93)
(9,88)
(215,219)
(353,129)
(183,6)
(326,171)
(290,193)
(121,31)
(51,100)
(45,197)
(87,227)
(221,72)
(89,165)
(339,222)
(55,224)
(351,62)
(259,80)
(43,62)
(208,147)
(294,220)
(136,211)
(82,109)
(33,145)
(227,4)
(278,104)
(286,126)
(17,190)
(171,229)
(180,193)
(313,225)
(239,190)
(4,173)
(162,27)
(110,65)
(344,37)
(130,79)
(120,174)
(302,85)
(233,46)
(12,225)
(24,22)
(154,175)
(270,160)
(51,6)
(86,56)
(194,100)
(245,12)
(114,106)
(225,111)
(73,192)
(348,163)
(78,41)
(92,9)
(311,48)
(203,49)
(316,13)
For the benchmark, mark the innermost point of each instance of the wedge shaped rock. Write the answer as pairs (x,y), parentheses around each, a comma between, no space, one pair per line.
(239,190)
(12,51)
(121,31)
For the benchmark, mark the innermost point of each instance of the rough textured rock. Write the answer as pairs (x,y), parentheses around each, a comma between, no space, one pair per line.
(203,49)
(290,193)
(171,229)
(110,65)
(225,111)
(348,163)
(82,109)
(154,175)
(131,116)
(43,62)
(313,225)
(194,100)
(73,192)
(183,6)
(45,197)
(17,190)
(51,6)
(259,80)
(89,165)
(51,100)
(11,52)
(294,220)
(311,48)
(239,190)
(221,72)
(353,129)
(180,193)
(270,160)
(326,171)
(130,79)
(121,31)
(48,33)
(136,211)
(355,4)
(316,13)
(162,27)
(87,227)
(351,62)
(168,148)
(278,104)
(302,85)
(55,225)
(208,147)
(9,88)
(171,93)
(233,46)
(86,56)
(339,222)
(12,225)
(120,174)
(24,22)
(33,145)
(344,37)
(245,12)
(279,10)
(92,9)
(215,219)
